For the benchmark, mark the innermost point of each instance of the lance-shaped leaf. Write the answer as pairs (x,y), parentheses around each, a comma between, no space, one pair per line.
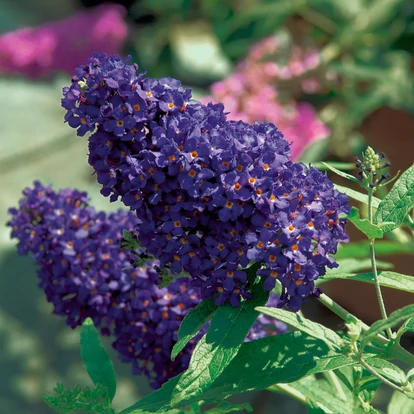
(397,203)
(391,280)
(330,337)
(217,348)
(407,327)
(324,395)
(388,370)
(356,195)
(258,365)
(192,323)
(341,173)
(361,249)
(371,230)
(352,265)
(95,358)
(383,324)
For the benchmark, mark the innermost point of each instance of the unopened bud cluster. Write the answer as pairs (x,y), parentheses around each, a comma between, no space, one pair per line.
(371,168)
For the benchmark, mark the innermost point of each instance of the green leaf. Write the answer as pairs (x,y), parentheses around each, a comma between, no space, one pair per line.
(157,401)
(397,203)
(226,407)
(339,165)
(371,230)
(361,249)
(258,365)
(192,323)
(279,359)
(331,338)
(341,173)
(356,195)
(228,329)
(392,280)
(95,359)
(324,395)
(367,386)
(388,370)
(383,324)
(408,326)
(355,265)
(400,404)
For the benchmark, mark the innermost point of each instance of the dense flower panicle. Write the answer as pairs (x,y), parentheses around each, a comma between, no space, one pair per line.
(58,46)
(75,247)
(211,195)
(251,94)
(147,319)
(85,273)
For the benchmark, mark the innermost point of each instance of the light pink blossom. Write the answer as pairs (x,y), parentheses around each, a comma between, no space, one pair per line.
(61,45)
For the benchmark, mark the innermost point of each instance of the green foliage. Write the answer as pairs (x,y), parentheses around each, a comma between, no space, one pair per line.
(371,230)
(398,202)
(388,370)
(258,365)
(218,347)
(408,326)
(340,173)
(325,396)
(130,241)
(80,400)
(356,195)
(192,323)
(387,279)
(95,358)
(331,338)
(226,407)
(361,249)
(381,325)
(354,265)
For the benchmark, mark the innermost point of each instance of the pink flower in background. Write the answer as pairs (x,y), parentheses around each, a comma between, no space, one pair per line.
(61,45)
(252,94)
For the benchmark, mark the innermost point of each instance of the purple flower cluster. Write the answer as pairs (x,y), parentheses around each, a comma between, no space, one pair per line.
(211,195)
(252,92)
(85,273)
(80,262)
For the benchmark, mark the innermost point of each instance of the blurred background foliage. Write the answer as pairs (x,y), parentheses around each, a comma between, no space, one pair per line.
(349,61)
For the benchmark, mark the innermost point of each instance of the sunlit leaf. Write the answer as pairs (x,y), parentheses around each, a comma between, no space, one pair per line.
(364,225)
(397,203)
(217,348)
(387,279)
(378,327)
(330,337)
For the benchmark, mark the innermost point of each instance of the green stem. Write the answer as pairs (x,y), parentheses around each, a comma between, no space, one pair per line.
(374,267)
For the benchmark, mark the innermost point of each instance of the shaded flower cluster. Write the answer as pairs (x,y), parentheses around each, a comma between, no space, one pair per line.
(58,46)
(211,195)
(75,247)
(85,273)
(251,92)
